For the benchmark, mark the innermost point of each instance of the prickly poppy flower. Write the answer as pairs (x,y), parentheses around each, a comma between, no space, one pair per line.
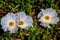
(8,23)
(23,21)
(48,16)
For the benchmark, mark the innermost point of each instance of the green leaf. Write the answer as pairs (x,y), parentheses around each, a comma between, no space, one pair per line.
(32,29)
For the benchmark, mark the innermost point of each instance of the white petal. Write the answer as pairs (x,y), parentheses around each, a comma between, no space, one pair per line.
(42,20)
(21,15)
(54,20)
(4,21)
(57,19)
(13,30)
(10,16)
(29,19)
(49,11)
(45,25)
(4,28)
(40,14)
(43,11)
(28,22)
(48,26)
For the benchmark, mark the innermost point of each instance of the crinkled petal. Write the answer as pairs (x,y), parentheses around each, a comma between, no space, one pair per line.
(54,20)
(29,19)
(57,19)
(13,30)
(21,15)
(45,25)
(40,14)
(5,28)
(49,11)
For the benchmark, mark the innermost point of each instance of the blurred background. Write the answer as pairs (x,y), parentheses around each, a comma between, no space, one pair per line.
(32,8)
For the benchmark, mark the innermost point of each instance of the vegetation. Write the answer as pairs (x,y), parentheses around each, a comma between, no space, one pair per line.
(32,8)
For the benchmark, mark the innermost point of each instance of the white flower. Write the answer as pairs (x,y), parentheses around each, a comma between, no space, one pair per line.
(23,21)
(48,16)
(8,23)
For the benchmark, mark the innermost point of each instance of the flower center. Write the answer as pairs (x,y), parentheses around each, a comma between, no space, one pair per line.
(11,24)
(47,18)
(21,23)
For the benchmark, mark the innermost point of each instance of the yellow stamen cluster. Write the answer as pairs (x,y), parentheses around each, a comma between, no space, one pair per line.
(47,18)
(21,23)
(11,24)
